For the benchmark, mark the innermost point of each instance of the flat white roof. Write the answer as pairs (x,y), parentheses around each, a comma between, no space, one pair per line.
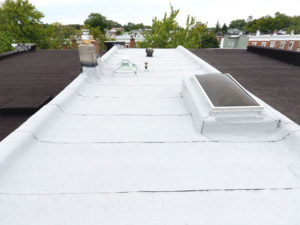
(114,149)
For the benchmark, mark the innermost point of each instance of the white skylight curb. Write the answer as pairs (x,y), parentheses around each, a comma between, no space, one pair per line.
(238,124)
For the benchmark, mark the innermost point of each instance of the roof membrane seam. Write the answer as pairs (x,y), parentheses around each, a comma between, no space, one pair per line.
(154,191)
(157,142)
(86,96)
(116,114)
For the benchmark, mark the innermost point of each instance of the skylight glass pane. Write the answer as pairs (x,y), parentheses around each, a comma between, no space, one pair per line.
(125,67)
(224,92)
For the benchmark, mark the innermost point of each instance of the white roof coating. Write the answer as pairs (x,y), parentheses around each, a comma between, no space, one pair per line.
(143,149)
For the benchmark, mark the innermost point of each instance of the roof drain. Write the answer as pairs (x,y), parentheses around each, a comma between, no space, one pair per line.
(224,111)
(125,67)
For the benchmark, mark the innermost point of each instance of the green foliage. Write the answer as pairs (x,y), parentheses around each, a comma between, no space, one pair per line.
(5,40)
(238,24)
(195,35)
(76,26)
(110,24)
(209,40)
(218,27)
(268,24)
(132,26)
(99,36)
(58,36)
(224,28)
(97,20)
(22,20)
(167,33)
(295,25)
(264,24)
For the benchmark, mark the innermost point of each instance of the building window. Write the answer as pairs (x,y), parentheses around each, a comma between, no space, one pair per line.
(253,43)
(264,44)
(282,44)
(272,45)
(291,45)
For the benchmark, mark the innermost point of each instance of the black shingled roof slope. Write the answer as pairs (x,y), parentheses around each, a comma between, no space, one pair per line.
(277,83)
(29,80)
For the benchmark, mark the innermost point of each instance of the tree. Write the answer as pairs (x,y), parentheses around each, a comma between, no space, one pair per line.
(110,24)
(22,20)
(96,20)
(218,27)
(167,33)
(5,40)
(268,24)
(58,36)
(249,19)
(131,26)
(195,35)
(238,24)
(209,40)
(224,28)
(164,31)
(99,36)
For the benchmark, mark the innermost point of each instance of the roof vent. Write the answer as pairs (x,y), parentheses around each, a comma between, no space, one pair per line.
(125,66)
(149,52)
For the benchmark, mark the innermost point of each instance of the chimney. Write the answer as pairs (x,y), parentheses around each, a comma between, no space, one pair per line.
(87,51)
(85,37)
(95,42)
(87,55)
(132,42)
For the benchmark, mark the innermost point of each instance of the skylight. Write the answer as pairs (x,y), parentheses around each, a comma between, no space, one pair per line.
(224,92)
(125,66)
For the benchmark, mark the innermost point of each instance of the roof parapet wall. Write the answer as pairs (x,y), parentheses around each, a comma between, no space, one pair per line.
(291,57)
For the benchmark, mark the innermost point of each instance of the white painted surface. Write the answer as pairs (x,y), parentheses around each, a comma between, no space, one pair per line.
(269,37)
(126,150)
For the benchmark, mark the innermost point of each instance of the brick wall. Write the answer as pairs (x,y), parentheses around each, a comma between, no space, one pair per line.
(277,44)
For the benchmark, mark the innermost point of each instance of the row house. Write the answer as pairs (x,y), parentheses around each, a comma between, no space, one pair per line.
(286,42)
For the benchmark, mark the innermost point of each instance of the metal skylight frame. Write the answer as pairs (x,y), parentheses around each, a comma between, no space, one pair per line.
(214,108)
(125,61)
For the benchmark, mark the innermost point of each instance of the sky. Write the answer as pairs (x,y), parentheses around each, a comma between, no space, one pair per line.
(142,11)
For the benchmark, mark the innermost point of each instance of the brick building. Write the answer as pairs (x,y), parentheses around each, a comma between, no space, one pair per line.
(286,42)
